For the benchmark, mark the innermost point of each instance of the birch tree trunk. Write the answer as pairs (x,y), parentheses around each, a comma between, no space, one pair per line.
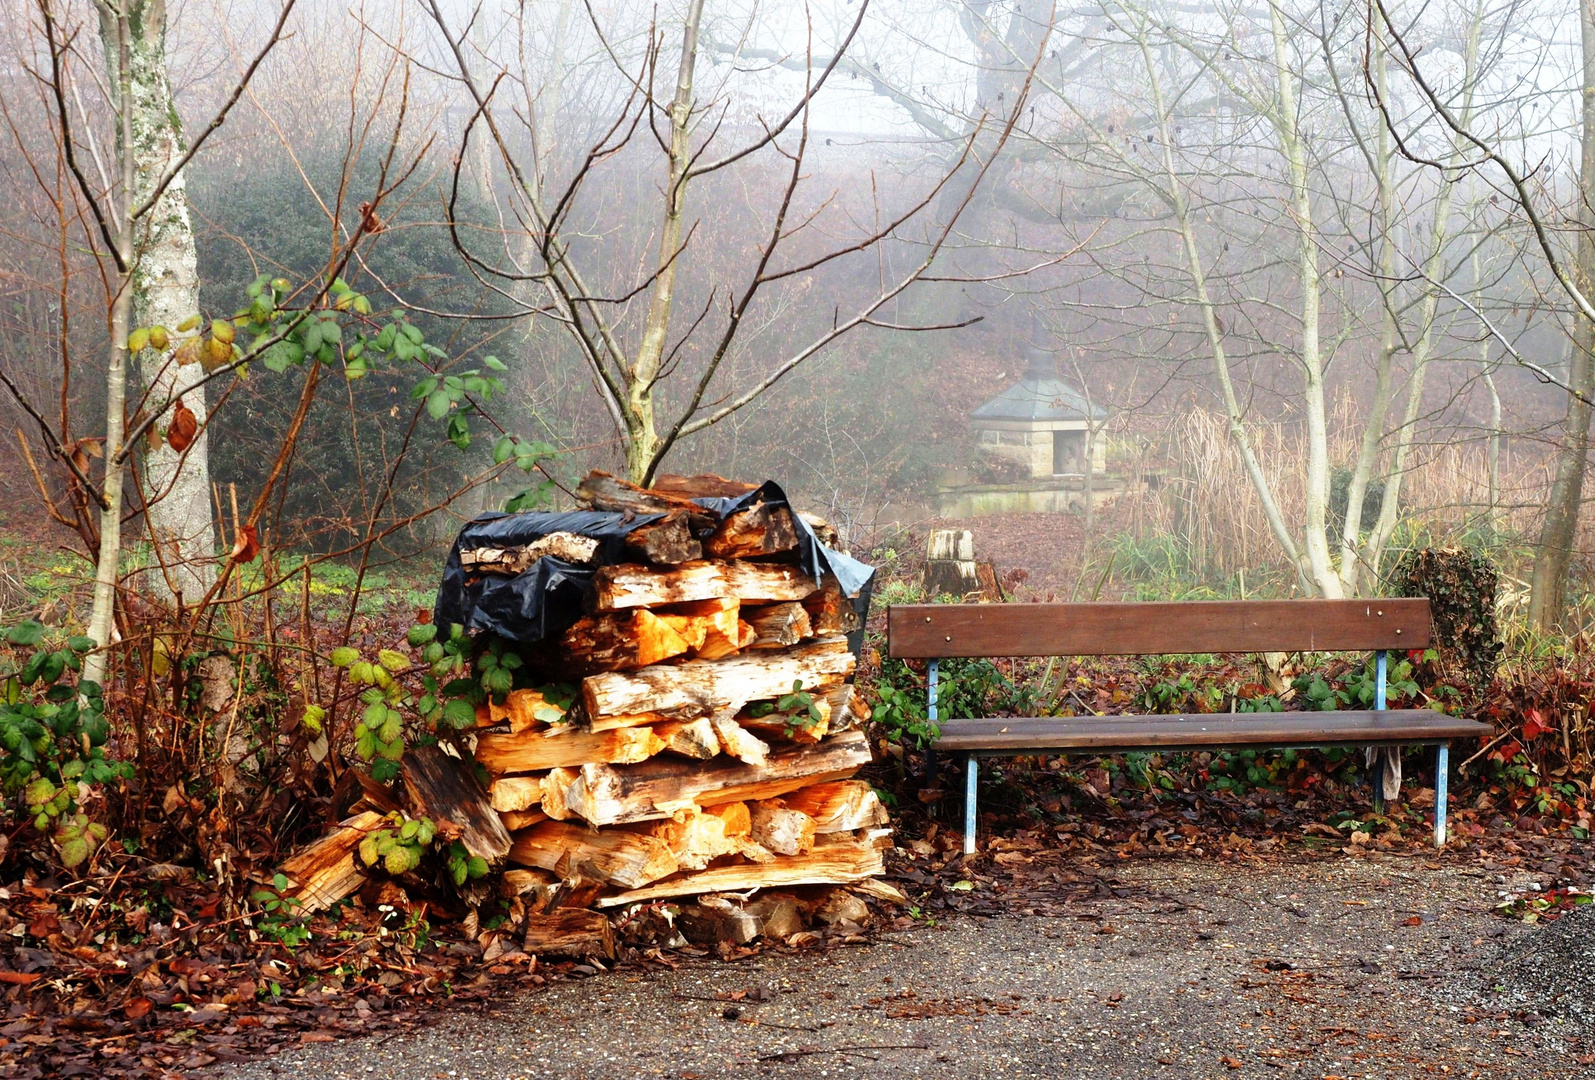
(1548,585)
(176,487)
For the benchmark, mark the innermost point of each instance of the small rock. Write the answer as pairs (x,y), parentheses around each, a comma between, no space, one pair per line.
(842,906)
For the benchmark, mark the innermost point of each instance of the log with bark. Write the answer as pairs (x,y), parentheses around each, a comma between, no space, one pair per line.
(572,932)
(533,751)
(840,806)
(778,625)
(760,529)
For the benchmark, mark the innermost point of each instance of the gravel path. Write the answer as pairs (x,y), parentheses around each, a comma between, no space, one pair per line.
(1376,967)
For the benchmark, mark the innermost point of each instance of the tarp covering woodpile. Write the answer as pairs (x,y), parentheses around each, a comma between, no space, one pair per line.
(685,722)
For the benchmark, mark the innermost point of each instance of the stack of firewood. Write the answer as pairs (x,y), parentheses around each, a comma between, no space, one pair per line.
(696,731)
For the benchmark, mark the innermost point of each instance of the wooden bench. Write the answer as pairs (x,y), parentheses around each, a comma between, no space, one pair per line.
(935,632)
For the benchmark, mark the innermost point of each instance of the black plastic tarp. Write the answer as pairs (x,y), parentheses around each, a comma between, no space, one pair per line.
(551,595)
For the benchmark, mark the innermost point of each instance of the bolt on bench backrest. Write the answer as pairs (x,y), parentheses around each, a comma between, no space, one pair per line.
(935,631)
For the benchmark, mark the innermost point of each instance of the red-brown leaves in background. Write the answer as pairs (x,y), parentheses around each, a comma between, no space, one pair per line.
(181,431)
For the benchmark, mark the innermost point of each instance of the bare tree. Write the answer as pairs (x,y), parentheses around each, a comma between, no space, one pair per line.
(629,377)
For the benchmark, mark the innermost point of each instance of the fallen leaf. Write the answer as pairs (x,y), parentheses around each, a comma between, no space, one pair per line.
(138,1008)
(181,431)
(1230,1063)
(1413,920)
(18,978)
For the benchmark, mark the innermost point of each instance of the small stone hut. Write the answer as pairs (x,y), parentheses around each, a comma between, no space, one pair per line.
(1041,421)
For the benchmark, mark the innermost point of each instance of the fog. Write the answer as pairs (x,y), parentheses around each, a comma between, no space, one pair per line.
(1323,275)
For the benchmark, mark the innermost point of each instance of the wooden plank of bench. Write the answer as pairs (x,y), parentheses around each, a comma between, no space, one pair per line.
(1017,735)
(931,631)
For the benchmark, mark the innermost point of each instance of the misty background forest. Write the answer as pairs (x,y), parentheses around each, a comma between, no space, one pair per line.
(1121,301)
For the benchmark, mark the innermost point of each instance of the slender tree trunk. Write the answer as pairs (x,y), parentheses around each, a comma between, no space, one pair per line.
(643,445)
(165,293)
(1548,586)
(102,614)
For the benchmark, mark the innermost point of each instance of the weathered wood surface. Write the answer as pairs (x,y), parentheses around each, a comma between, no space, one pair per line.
(778,625)
(605,794)
(627,859)
(668,541)
(694,837)
(524,709)
(702,486)
(532,751)
(700,687)
(602,491)
(737,742)
(840,806)
(626,585)
(1129,629)
(780,828)
(830,611)
(690,738)
(515,792)
(835,864)
(444,788)
(517,559)
(761,529)
(326,870)
(1208,730)
(617,640)
(573,932)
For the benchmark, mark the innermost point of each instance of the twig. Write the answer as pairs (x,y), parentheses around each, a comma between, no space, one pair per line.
(793,1055)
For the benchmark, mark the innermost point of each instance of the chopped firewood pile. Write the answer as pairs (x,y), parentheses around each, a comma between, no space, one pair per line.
(695,732)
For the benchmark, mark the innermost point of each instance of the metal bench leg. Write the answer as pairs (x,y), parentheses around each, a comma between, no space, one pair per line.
(1379,704)
(971,781)
(1442,770)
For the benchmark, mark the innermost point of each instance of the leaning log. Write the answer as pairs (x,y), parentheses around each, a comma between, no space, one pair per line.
(444,788)
(326,870)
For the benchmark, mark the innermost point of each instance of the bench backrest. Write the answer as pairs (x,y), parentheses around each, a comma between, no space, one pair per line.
(933,631)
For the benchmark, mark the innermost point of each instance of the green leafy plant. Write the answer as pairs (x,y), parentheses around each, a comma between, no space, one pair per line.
(279,918)
(398,849)
(463,866)
(797,708)
(53,737)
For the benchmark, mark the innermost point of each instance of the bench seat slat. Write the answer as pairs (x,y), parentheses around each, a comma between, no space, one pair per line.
(1206,731)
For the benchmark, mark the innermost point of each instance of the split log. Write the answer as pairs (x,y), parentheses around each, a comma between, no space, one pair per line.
(626,585)
(627,859)
(515,792)
(445,789)
(530,751)
(690,738)
(515,820)
(840,806)
(778,625)
(539,889)
(740,744)
(833,864)
(668,541)
(605,794)
(519,558)
(555,785)
(738,821)
(799,728)
(326,870)
(830,611)
(573,932)
(716,919)
(694,837)
(613,641)
(760,529)
(602,491)
(780,828)
(703,486)
(823,531)
(848,709)
(718,644)
(621,720)
(698,687)
(525,709)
